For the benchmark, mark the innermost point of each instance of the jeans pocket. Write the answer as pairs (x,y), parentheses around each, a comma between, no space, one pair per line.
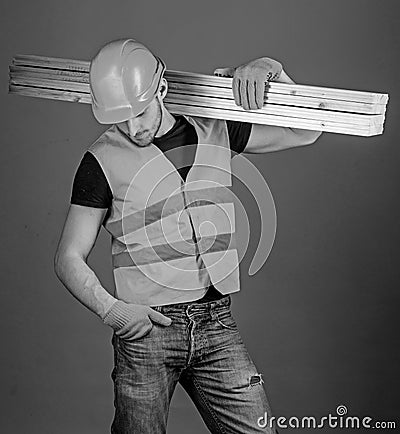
(137,350)
(226,320)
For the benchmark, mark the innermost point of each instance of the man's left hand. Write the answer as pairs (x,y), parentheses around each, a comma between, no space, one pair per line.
(249,80)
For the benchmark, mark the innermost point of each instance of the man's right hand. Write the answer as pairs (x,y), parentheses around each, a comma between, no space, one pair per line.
(133,321)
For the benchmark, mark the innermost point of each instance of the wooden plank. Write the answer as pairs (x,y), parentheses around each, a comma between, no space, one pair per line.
(334,127)
(51,84)
(299,112)
(280,121)
(288,89)
(290,105)
(48,74)
(218,103)
(202,79)
(52,62)
(282,99)
(211,91)
(54,94)
(199,90)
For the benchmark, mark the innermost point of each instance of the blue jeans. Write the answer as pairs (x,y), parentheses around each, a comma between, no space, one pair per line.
(203,351)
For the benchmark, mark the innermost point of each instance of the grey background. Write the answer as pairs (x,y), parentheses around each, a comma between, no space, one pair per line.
(321,317)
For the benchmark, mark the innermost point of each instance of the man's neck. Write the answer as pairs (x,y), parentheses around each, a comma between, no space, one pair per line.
(167,122)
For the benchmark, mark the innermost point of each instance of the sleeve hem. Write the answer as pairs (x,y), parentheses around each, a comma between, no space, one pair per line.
(88,203)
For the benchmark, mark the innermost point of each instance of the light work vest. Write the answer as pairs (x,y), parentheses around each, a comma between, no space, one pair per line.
(170,238)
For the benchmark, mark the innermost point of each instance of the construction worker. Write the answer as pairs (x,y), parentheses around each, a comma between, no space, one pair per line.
(159,184)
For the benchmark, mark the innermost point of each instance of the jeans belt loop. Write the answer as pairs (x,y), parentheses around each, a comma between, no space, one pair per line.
(213,311)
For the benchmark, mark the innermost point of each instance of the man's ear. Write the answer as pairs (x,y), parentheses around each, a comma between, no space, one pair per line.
(163,89)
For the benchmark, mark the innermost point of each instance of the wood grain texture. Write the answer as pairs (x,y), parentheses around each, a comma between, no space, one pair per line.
(288,105)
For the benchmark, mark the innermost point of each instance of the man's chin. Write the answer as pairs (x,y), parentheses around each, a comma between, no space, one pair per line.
(142,142)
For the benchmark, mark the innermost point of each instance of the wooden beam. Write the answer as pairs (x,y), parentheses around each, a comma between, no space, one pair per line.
(191,110)
(288,105)
(28,73)
(54,94)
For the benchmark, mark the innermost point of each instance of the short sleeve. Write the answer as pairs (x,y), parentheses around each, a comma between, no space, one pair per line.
(90,186)
(239,133)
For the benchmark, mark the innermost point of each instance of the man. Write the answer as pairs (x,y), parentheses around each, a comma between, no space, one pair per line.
(166,206)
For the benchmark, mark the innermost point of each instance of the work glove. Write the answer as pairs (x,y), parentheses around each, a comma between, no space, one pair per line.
(133,321)
(248,84)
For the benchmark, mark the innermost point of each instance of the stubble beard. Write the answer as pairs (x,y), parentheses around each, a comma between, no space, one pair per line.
(146,137)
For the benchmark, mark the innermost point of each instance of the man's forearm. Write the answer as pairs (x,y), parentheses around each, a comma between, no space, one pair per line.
(83,284)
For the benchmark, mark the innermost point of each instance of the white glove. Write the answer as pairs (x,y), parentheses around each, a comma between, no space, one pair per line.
(133,321)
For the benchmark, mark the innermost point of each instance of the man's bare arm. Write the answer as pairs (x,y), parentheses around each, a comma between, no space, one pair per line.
(130,321)
(79,235)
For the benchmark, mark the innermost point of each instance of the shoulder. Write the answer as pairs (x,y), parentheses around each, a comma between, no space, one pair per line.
(201,120)
(107,138)
(209,128)
(90,186)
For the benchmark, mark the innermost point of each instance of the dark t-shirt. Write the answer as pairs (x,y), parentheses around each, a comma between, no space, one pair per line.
(91,188)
